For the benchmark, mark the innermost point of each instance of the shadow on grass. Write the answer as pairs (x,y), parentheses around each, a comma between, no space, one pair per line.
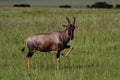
(80,66)
(41,67)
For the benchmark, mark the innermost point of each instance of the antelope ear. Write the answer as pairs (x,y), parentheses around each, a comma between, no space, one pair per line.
(64,25)
(76,26)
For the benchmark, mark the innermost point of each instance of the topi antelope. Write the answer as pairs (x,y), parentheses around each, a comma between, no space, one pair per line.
(54,41)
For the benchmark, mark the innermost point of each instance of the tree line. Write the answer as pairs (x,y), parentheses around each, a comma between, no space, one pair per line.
(95,5)
(102,5)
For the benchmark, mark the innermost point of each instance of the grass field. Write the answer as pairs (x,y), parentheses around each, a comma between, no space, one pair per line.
(96,53)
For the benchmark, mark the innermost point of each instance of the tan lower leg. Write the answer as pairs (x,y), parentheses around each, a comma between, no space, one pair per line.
(27,62)
(58,63)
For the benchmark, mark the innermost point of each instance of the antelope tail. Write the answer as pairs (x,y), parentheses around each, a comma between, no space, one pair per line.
(23,49)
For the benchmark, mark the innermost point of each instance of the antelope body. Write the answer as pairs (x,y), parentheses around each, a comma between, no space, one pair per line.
(54,41)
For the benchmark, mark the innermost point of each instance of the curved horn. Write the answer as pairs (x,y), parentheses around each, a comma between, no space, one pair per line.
(68,20)
(74,20)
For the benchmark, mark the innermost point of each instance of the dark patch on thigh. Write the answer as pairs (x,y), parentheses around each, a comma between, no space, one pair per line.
(31,45)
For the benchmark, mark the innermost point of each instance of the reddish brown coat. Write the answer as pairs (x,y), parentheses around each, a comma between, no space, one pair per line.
(54,41)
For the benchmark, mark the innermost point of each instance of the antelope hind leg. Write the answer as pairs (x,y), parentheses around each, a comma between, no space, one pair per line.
(27,62)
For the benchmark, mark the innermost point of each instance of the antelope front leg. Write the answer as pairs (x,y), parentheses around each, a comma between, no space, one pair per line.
(58,63)
(68,52)
(58,60)
(58,57)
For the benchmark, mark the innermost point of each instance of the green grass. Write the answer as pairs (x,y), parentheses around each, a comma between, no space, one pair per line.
(96,53)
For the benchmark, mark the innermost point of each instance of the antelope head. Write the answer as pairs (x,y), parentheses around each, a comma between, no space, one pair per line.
(70,27)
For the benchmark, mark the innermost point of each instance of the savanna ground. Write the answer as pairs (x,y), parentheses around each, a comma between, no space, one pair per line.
(96,53)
